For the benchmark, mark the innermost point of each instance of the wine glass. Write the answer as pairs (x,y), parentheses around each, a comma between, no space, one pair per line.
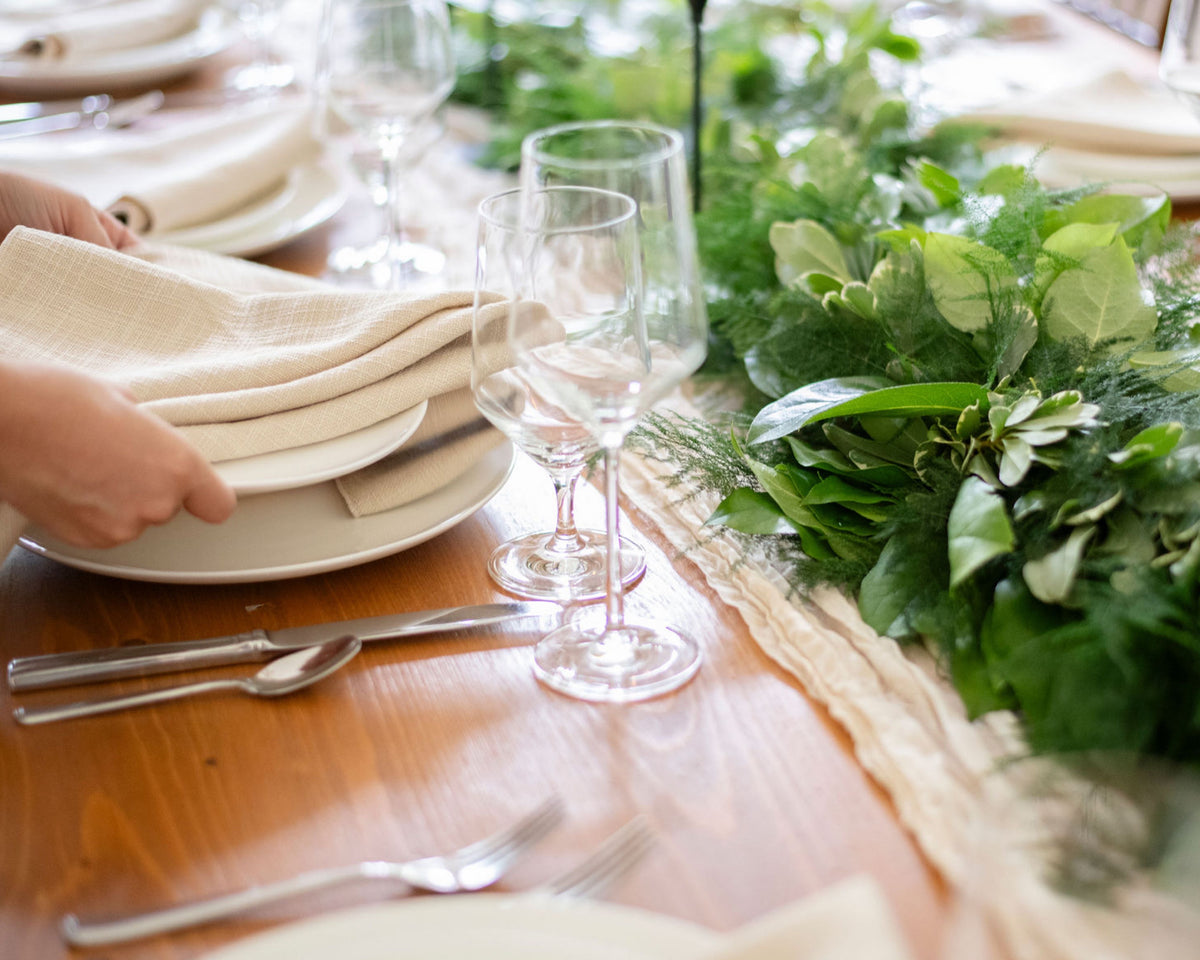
(606,359)
(1179,64)
(566,564)
(389,66)
(265,74)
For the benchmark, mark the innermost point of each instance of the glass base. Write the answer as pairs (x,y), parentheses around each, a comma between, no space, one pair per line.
(419,267)
(522,567)
(635,662)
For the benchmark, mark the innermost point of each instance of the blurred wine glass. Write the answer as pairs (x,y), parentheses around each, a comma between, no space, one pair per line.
(388,68)
(566,564)
(1179,63)
(265,73)
(614,320)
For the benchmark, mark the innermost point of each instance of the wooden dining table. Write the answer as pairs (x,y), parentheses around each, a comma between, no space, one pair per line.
(420,745)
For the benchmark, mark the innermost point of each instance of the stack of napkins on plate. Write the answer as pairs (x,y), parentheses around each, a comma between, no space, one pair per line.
(193,172)
(1114,127)
(246,360)
(60,30)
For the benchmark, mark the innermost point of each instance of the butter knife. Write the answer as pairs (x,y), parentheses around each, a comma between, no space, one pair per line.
(90,666)
(116,115)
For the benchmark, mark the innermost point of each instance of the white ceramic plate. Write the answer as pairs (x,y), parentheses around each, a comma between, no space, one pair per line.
(291,533)
(493,926)
(315,462)
(309,196)
(137,66)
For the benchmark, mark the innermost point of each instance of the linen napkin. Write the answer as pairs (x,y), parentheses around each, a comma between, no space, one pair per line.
(1113,112)
(194,171)
(46,34)
(239,373)
(849,921)
(245,359)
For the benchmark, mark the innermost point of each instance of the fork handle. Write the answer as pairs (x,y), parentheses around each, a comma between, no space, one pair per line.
(81,933)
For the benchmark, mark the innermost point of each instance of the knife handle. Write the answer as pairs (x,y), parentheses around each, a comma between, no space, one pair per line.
(91,666)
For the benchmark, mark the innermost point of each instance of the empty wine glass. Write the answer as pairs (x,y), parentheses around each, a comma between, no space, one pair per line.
(388,67)
(1179,64)
(605,329)
(265,74)
(566,564)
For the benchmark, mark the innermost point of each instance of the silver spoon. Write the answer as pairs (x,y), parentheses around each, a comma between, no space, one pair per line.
(283,675)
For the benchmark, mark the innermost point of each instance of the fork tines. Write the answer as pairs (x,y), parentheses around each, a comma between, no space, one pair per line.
(615,857)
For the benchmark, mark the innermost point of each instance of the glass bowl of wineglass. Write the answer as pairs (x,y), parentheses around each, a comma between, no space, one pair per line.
(388,66)
(566,564)
(610,320)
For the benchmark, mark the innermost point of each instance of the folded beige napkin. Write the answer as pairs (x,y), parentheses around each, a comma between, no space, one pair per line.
(849,921)
(1111,112)
(451,439)
(54,33)
(239,373)
(195,171)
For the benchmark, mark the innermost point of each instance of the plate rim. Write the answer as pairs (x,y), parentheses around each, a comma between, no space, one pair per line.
(473,498)
(620,925)
(215,31)
(321,447)
(279,228)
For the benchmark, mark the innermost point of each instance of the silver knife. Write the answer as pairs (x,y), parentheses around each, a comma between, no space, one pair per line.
(116,115)
(27,111)
(90,666)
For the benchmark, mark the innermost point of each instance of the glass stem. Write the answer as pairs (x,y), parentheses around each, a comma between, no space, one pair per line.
(566,536)
(392,170)
(615,597)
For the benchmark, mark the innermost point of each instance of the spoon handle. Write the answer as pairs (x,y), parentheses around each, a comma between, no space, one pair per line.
(86,708)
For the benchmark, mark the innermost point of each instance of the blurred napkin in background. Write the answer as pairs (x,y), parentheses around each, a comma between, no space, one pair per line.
(1114,127)
(849,921)
(194,172)
(238,372)
(78,31)
(1111,112)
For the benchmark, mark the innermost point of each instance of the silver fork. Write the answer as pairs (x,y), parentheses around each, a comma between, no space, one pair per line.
(610,861)
(470,868)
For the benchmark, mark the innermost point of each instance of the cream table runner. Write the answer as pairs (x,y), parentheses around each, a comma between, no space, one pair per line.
(972,814)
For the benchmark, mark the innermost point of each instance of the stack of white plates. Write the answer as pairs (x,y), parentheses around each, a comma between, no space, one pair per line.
(291,521)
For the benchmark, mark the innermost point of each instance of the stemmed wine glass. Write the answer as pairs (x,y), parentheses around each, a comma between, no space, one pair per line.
(566,564)
(1179,64)
(389,65)
(635,329)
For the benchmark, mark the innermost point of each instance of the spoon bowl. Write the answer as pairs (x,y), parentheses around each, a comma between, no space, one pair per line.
(284,675)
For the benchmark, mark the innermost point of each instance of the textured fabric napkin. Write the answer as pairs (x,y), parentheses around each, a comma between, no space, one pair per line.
(195,171)
(245,359)
(44,33)
(239,373)
(1112,112)
(849,921)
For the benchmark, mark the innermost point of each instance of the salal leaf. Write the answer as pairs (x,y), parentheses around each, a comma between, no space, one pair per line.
(1179,369)
(750,511)
(1003,180)
(854,396)
(1140,220)
(805,247)
(1100,300)
(1050,578)
(1066,248)
(835,461)
(837,490)
(978,529)
(1150,444)
(887,592)
(965,277)
(941,183)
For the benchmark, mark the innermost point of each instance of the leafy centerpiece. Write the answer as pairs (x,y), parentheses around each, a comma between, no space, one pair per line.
(969,400)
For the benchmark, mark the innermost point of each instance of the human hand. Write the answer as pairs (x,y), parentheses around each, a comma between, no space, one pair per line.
(80,458)
(43,206)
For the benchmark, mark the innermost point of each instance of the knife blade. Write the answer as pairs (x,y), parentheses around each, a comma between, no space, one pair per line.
(116,115)
(90,666)
(27,111)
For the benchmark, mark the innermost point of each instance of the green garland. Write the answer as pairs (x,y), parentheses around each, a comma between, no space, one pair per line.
(970,400)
